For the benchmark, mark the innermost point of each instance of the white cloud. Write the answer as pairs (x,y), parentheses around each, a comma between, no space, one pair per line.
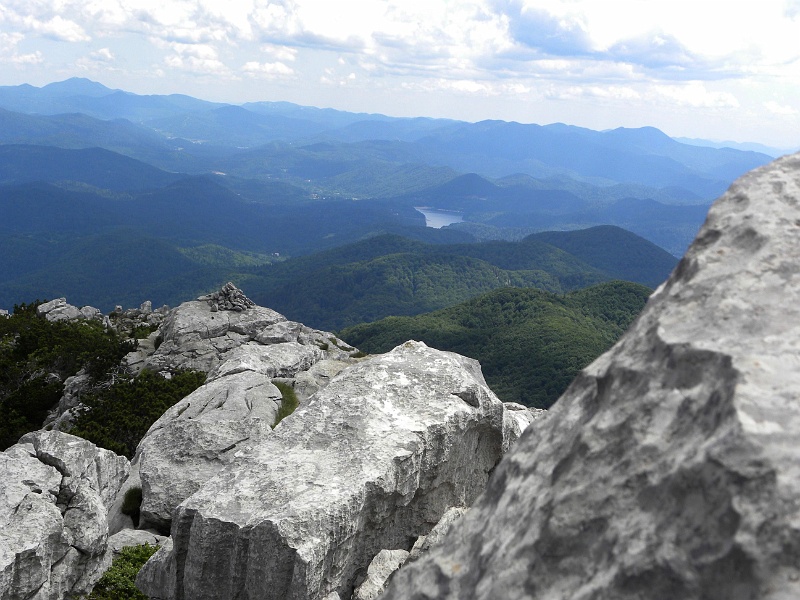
(102,55)
(267,70)
(694,95)
(780,109)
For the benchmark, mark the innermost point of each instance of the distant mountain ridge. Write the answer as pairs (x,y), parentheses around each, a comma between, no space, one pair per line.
(490,148)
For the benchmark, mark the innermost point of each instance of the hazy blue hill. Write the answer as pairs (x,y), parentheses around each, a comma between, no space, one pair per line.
(477,197)
(497,148)
(81,131)
(45,210)
(614,250)
(96,100)
(93,166)
(530,343)
(235,126)
(405,130)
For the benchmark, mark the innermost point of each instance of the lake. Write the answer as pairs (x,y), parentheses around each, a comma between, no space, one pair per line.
(439,218)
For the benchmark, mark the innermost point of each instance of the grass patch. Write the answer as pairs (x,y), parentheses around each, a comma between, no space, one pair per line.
(289,401)
(118,582)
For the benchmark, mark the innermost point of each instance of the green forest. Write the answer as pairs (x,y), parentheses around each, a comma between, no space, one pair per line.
(531,343)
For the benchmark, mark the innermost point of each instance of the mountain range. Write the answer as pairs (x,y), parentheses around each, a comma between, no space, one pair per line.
(95,180)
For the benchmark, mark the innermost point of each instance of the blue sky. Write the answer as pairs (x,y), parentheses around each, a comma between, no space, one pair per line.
(718,69)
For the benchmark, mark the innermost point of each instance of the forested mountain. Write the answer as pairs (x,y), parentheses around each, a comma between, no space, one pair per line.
(391,275)
(530,343)
(190,184)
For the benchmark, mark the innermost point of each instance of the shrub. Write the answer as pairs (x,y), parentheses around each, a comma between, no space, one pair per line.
(37,355)
(118,582)
(118,416)
(289,401)
(131,503)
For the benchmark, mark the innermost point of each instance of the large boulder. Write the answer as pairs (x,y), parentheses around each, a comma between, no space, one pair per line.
(54,492)
(198,437)
(242,351)
(194,336)
(671,467)
(370,461)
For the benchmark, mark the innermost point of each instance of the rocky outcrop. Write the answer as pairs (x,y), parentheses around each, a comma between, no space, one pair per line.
(380,569)
(53,498)
(242,351)
(198,437)
(195,337)
(370,461)
(671,467)
(58,310)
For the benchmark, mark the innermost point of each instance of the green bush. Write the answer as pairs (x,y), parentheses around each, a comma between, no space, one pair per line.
(132,503)
(118,416)
(36,356)
(289,401)
(118,582)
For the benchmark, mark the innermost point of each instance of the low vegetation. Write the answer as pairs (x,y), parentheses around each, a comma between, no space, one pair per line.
(118,583)
(36,356)
(117,416)
(289,402)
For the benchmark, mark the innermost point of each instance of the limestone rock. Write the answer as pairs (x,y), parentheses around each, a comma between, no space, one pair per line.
(671,467)
(380,569)
(62,415)
(4,313)
(200,435)
(425,542)
(58,310)
(516,418)
(194,337)
(308,382)
(242,351)
(134,537)
(367,463)
(53,498)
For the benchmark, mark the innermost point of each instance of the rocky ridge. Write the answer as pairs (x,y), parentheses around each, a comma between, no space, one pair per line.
(54,499)
(670,468)
(224,430)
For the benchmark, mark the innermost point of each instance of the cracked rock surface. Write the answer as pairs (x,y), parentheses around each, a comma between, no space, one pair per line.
(671,466)
(54,492)
(370,461)
(241,352)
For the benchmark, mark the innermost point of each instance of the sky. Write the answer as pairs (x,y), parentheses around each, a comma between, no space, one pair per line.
(713,69)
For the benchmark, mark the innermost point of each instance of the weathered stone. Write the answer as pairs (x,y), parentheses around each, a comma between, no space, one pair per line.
(277,360)
(62,416)
(380,569)
(200,435)
(309,382)
(4,313)
(55,488)
(425,542)
(369,462)
(58,310)
(671,467)
(134,537)
(516,419)
(195,338)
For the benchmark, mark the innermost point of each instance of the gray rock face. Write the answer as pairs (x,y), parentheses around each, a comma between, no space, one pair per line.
(242,351)
(53,498)
(369,462)
(133,537)
(199,436)
(671,467)
(380,569)
(194,337)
